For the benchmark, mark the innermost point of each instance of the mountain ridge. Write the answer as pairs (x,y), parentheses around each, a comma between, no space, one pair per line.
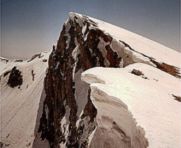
(79,105)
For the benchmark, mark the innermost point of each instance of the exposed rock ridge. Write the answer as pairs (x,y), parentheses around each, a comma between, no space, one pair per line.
(175,71)
(77,50)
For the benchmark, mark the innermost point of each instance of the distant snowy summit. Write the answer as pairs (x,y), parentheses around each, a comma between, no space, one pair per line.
(104,87)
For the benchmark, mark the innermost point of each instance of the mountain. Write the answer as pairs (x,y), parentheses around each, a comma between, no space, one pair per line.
(104,87)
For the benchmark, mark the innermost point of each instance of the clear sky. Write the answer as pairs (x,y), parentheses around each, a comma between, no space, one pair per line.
(32,26)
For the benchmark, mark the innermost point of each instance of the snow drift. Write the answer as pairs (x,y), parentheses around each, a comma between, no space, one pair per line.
(149,99)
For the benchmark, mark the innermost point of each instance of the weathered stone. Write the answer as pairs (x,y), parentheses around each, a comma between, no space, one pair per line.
(15,78)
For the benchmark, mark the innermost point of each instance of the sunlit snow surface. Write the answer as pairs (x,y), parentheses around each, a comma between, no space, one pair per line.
(19,106)
(150,100)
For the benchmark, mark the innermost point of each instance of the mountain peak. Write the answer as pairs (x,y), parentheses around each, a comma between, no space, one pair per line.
(73,14)
(104,87)
(85,43)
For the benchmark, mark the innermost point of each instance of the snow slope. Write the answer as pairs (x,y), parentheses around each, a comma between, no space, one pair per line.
(19,106)
(148,98)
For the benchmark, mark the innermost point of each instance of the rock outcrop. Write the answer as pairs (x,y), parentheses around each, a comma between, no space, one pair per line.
(78,49)
(15,78)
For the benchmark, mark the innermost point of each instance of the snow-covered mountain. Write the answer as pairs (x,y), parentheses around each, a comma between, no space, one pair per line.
(21,89)
(105,87)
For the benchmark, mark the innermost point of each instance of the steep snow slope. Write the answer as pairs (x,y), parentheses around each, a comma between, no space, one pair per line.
(148,97)
(19,105)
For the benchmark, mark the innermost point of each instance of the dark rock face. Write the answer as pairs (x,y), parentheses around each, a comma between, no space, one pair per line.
(72,54)
(15,78)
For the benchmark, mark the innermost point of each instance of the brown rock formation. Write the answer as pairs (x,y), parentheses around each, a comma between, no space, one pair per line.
(60,85)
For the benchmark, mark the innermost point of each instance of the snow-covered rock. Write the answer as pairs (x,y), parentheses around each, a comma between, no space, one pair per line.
(88,113)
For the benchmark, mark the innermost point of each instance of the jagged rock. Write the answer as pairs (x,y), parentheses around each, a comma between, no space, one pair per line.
(73,53)
(15,78)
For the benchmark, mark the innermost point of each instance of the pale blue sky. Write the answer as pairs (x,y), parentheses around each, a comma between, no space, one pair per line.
(31,26)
